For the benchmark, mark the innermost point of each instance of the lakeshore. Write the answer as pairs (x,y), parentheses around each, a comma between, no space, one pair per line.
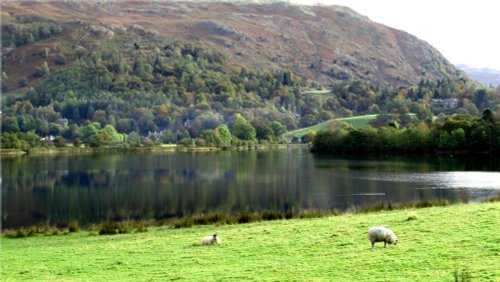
(70,150)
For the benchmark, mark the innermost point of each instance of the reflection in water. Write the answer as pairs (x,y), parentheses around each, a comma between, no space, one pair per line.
(38,190)
(444,180)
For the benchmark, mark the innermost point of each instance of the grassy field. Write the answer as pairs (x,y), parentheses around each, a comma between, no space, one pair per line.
(357,122)
(434,244)
(11,95)
(319,93)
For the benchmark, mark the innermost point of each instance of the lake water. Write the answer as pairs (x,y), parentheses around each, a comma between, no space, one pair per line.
(37,190)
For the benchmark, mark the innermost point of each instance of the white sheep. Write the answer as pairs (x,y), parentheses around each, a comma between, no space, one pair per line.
(382,234)
(211,240)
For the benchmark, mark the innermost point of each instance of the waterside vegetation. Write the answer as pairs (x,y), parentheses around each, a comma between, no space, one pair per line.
(456,134)
(110,227)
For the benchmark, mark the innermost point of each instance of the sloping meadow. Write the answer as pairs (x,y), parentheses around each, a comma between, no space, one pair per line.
(438,243)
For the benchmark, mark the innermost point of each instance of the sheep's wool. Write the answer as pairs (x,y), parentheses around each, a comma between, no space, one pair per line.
(381,234)
(210,240)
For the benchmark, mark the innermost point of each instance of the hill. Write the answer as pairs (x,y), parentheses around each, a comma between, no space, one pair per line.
(486,76)
(104,73)
(324,44)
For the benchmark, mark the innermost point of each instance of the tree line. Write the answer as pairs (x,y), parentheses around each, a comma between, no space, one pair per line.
(456,133)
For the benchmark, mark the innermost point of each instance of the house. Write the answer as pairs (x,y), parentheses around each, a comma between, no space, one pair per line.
(445,104)
(62,122)
(48,137)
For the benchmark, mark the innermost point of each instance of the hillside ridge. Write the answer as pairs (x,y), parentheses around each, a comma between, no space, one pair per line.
(324,44)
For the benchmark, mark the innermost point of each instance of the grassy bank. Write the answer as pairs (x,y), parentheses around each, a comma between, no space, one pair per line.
(356,122)
(435,244)
(83,151)
(70,150)
(11,152)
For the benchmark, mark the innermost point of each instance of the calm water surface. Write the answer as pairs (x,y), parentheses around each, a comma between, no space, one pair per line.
(38,190)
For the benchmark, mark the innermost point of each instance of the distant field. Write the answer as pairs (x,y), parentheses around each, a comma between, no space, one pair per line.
(7,95)
(356,122)
(323,92)
(435,244)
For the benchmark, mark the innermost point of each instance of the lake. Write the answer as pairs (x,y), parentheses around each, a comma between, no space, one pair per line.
(93,188)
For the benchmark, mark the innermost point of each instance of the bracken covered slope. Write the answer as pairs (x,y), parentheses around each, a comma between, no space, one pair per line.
(322,43)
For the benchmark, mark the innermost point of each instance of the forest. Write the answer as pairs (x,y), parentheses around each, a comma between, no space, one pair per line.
(462,134)
(141,89)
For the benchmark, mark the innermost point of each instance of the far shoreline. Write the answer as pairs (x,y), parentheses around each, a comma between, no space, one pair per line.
(150,149)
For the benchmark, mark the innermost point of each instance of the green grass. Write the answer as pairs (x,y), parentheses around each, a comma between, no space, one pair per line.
(356,122)
(320,93)
(435,244)
(11,95)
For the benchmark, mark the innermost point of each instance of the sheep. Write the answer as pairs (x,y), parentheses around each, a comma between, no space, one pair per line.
(211,240)
(382,234)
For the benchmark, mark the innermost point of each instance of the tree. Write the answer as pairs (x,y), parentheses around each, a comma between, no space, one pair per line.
(126,125)
(10,141)
(308,120)
(45,71)
(37,72)
(134,138)
(211,137)
(489,122)
(5,88)
(100,139)
(89,131)
(99,116)
(31,138)
(488,116)
(76,142)
(458,137)
(481,99)
(10,124)
(206,120)
(308,137)
(225,135)
(23,82)
(114,137)
(242,129)
(59,142)
(278,128)
(264,132)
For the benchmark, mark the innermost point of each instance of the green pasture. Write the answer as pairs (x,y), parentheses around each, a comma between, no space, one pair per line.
(356,122)
(435,244)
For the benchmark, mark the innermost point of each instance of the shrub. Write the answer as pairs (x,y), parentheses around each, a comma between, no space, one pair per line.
(23,82)
(432,203)
(271,215)
(37,72)
(59,142)
(60,59)
(21,232)
(218,218)
(311,213)
(112,228)
(246,217)
(141,226)
(73,226)
(183,222)
(209,218)
(492,199)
